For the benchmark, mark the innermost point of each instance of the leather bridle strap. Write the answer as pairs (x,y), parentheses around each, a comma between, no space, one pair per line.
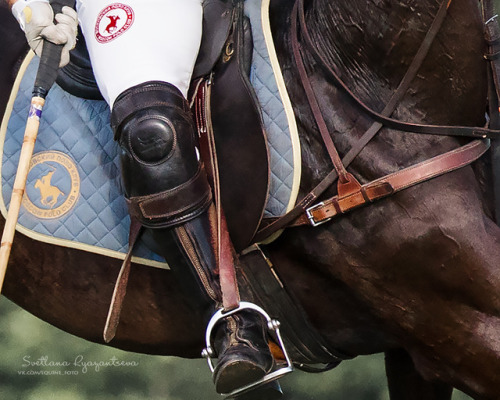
(275,224)
(474,132)
(394,182)
(313,103)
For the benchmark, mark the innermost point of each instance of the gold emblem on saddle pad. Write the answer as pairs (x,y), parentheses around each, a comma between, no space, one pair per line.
(53,185)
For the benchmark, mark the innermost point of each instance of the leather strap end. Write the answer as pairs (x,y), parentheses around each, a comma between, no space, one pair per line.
(120,289)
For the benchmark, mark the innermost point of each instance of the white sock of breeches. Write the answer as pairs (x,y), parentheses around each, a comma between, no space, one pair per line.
(141,40)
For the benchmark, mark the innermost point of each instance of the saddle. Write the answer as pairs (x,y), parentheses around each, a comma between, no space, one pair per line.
(223,64)
(224,102)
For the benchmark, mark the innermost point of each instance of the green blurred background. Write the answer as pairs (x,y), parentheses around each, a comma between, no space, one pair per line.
(32,351)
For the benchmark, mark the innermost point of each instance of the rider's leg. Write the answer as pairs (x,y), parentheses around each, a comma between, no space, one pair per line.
(154,40)
(161,172)
(164,181)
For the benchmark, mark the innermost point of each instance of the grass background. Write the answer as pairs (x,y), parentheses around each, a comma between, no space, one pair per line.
(25,339)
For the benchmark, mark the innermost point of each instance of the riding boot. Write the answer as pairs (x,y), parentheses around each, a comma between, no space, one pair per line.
(167,191)
(240,341)
(243,352)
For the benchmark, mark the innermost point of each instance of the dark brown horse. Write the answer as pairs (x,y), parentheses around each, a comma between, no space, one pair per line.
(415,275)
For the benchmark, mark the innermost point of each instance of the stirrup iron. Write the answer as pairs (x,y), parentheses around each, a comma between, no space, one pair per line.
(272,325)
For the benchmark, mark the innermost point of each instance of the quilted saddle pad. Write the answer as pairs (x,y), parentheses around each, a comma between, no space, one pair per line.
(73,196)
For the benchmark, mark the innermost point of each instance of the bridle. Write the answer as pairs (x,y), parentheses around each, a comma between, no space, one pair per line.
(351,193)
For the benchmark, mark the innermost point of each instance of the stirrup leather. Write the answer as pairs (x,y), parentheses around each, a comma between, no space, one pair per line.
(272,325)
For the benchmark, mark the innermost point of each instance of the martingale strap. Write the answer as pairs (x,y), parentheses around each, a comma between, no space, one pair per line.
(303,212)
(393,183)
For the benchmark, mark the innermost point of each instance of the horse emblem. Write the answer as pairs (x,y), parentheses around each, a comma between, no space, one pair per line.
(111,27)
(48,192)
(113,21)
(43,198)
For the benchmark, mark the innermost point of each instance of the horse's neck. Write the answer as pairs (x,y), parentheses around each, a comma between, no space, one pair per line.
(371,45)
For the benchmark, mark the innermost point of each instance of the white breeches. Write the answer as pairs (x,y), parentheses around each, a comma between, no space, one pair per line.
(141,40)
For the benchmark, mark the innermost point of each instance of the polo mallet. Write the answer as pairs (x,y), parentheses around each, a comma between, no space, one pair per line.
(45,78)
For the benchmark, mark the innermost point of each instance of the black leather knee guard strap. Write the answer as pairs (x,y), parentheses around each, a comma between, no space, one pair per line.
(164,181)
(172,206)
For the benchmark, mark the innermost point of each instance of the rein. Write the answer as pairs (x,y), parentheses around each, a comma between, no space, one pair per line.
(350,193)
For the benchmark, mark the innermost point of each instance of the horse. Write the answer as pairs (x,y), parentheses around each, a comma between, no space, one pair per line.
(414,275)
(111,27)
(47,190)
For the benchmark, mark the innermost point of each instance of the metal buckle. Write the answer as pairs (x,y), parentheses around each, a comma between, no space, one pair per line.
(491,19)
(272,325)
(310,217)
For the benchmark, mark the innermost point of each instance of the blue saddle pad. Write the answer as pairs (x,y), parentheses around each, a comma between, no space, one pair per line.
(73,196)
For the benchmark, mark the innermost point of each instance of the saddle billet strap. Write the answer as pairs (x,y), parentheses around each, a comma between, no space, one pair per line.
(464,131)
(272,225)
(394,182)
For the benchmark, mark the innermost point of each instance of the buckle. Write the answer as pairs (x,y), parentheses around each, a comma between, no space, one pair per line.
(272,325)
(310,217)
(491,19)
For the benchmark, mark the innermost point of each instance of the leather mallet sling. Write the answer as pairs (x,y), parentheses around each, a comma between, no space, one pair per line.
(45,78)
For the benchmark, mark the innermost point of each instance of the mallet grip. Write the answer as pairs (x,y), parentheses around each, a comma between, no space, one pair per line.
(51,56)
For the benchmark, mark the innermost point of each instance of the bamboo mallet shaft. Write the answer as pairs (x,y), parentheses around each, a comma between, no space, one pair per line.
(30,135)
(45,78)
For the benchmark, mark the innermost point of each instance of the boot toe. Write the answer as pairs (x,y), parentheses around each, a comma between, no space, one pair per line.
(268,391)
(236,374)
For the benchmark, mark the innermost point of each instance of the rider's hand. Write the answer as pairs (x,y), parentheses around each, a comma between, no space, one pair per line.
(36,18)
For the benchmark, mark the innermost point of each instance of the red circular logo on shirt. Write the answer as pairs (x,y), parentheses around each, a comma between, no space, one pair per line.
(114,20)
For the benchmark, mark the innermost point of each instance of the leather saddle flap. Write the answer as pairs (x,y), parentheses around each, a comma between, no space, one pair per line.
(240,139)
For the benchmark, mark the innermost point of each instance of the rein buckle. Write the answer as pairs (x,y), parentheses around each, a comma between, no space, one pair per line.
(310,216)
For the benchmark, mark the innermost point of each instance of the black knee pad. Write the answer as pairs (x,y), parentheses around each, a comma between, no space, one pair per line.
(164,181)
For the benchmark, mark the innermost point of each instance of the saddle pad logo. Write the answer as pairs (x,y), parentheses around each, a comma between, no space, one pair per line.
(113,21)
(53,185)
